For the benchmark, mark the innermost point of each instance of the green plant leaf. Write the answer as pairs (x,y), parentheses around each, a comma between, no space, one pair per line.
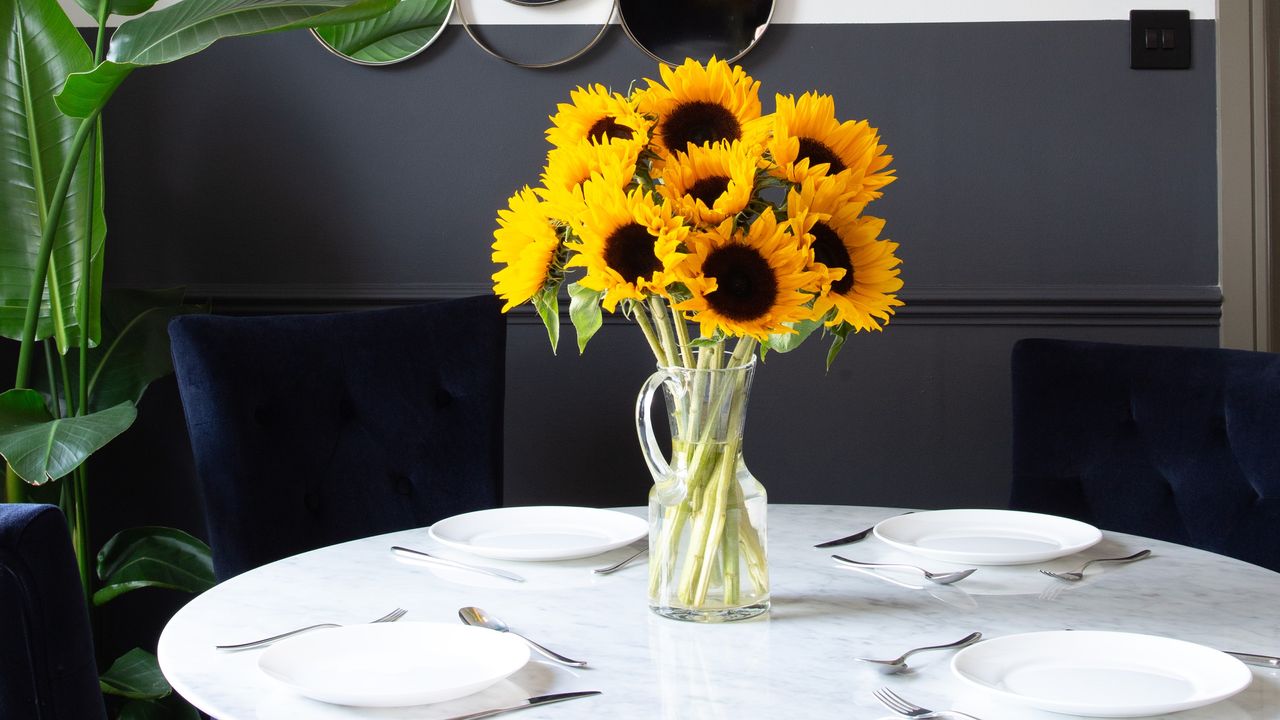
(399,34)
(547,303)
(189,26)
(838,336)
(117,7)
(39,448)
(172,707)
(136,674)
(40,47)
(786,342)
(134,350)
(153,557)
(584,311)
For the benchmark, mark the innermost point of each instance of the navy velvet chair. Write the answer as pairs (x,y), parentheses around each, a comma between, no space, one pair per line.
(47,667)
(309,430)
(1175,443)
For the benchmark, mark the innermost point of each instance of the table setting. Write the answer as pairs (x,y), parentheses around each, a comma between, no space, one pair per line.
(810,653)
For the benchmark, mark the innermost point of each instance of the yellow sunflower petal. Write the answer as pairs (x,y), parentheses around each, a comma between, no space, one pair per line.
(593,114)
(526,243)
(808,141)
(749,282)
(710,183)
(630,244)
(700,105)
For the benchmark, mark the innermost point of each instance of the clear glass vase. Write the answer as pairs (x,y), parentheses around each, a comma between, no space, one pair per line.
(707,532)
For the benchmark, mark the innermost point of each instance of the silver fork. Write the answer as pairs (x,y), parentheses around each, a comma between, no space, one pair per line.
(621,563)
(1078,575)
(894,702)
(945,578)
(392,616)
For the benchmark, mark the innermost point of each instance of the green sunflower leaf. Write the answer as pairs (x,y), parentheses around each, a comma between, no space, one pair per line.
(786,342)
(547,303)
(584,311)
(838,336)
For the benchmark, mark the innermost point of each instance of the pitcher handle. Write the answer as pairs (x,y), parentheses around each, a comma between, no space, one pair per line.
(668,485)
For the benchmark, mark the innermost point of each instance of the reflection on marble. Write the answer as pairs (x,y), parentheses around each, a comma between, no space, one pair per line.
(796,662)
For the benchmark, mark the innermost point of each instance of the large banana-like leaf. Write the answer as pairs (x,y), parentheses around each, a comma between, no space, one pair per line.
(133,353)
(38,48)
(398,35)
(40,448)
(153,557)
(136,674)
(117,7)
(186,28)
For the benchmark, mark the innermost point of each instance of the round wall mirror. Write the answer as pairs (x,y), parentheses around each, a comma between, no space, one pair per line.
(395,36)
(672,30)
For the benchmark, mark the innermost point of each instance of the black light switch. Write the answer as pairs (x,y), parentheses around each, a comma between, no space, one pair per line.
(1160,39)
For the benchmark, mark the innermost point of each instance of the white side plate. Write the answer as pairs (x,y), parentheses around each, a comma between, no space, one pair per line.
(987,537)
(1101,674)
(546,532)
(394,664)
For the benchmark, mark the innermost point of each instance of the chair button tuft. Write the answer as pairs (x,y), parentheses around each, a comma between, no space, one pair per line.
(444,398)
(401,484)
(312,501)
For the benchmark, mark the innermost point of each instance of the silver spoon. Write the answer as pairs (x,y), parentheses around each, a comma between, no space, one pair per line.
(476,616)
(621,563)
(1078,575)
(945,578)
(899,663)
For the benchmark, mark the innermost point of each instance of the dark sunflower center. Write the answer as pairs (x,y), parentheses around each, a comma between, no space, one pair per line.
(829,250)
(629,251)
(746,287)
(708,190)
(818,154)
(699,123)
(608,129)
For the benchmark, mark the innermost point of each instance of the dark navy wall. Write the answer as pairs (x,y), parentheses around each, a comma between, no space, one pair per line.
(1046,189)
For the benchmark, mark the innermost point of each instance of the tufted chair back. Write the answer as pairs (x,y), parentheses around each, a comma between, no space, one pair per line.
(1174,443)
(310,430)
(47,668)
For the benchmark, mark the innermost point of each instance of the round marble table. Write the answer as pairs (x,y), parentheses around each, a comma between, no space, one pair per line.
(795,662)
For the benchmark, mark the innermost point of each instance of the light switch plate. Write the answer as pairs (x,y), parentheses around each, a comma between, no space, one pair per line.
(1160,39)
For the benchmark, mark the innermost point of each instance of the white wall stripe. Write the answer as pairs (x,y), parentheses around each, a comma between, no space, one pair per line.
(592,12)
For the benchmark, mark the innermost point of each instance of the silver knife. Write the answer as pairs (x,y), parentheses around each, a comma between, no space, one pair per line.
(530,702)
(860,535)
(419,555)
(1251,659)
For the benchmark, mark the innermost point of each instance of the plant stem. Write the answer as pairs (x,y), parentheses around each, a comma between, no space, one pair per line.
(682,334)
(646,327)
(664,330)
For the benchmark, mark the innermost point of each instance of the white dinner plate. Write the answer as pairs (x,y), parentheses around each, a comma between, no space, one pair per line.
(987,537)
(1101,674)
(546,532)
(394,664)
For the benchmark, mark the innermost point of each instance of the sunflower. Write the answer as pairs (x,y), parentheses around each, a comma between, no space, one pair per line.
(862,271)
(709,183)
(749,282)
(809,141)
(630,244)
(702,105)
(596,115)
(527,244)
(569,167)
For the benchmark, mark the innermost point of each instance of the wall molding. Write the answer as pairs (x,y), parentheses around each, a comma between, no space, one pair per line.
(1080,305)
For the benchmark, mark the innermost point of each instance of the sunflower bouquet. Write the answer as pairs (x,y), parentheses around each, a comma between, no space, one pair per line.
(724,233)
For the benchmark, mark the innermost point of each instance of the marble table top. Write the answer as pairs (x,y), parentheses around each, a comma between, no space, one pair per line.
(795,662)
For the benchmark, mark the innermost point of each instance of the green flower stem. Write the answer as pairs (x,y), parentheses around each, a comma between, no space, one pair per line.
(682,336)
(664,330)
(729,554)
(646,327)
